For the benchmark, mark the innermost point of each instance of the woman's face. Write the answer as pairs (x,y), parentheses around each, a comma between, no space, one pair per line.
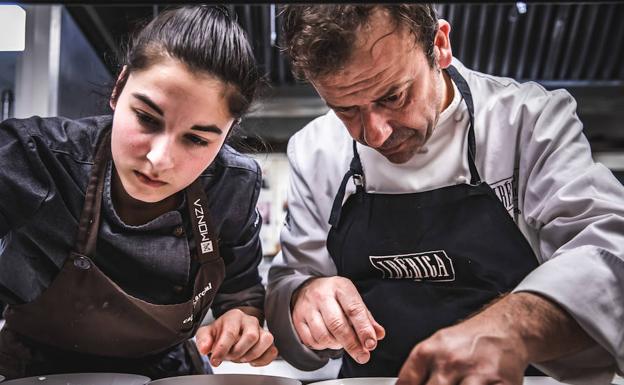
(168,126)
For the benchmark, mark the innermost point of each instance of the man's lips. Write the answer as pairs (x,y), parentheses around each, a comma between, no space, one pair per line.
(147,180)
(392,149)
(395,143)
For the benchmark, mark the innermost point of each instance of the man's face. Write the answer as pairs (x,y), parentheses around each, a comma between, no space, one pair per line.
(388,96)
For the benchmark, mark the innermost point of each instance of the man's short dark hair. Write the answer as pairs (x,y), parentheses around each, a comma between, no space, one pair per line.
(320,38)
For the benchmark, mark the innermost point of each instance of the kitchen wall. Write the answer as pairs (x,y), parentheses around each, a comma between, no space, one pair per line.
(59,72)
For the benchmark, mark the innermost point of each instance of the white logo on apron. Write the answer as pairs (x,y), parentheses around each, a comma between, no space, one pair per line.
(196,299)
(205,242)
(427,266)
(506,192)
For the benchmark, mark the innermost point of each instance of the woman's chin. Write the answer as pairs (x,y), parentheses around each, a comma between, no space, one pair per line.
(145,197)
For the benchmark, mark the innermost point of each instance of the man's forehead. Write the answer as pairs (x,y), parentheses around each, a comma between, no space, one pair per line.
(365,81)
(341,88)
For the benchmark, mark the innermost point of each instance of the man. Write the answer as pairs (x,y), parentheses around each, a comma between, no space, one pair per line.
(466,235)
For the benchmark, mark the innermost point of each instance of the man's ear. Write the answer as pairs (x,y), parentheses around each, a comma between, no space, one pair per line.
(442,44)
(119,85)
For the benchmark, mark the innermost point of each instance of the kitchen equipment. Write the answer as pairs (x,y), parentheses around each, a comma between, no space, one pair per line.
(537,380)
(82,379)
(226,379)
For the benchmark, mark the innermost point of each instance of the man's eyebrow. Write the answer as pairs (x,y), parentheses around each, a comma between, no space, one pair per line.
(338,107)
(145,99)
(391,91)
(209,128)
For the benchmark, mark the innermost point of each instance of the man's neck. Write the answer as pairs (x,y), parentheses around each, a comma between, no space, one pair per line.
(448,93)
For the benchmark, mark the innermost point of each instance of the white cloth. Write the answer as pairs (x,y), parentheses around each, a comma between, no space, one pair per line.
(531,149)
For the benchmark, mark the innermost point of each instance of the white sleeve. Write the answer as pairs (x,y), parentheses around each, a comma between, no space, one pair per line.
(575,208)
(303,255)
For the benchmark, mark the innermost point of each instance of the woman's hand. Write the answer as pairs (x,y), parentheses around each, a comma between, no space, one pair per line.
(236,337)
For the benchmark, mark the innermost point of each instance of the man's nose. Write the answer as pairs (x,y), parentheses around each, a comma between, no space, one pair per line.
(161,153)
(375,127)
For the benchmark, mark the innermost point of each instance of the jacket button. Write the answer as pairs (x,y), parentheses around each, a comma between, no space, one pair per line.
(178,289)
(178,231)
(82,263)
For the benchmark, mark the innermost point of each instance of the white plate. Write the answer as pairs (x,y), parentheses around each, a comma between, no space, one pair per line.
(226,379)
(392,380)
(82,379)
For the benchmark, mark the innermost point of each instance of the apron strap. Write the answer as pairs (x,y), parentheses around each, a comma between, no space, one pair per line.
(355,171)
(89,222)
(464,90)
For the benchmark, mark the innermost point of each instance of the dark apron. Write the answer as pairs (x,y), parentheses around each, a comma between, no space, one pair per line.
(424,261)
(84,322)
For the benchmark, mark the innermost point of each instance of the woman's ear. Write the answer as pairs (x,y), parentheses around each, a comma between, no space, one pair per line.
(119,85)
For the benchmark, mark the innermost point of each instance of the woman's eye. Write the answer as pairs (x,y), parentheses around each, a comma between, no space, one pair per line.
(197,140)
(147,120)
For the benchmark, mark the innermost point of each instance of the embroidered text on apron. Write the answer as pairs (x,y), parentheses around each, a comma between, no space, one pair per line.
(423,261)
(85,312)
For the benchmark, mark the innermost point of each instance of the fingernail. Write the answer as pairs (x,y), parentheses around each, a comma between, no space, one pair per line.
(216,362)
(361,358)
(370,344)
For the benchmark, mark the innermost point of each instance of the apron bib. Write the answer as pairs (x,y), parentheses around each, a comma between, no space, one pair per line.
(424,261)
(84,316)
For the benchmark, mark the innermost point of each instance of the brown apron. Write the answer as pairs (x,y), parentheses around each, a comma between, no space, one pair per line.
(83,315)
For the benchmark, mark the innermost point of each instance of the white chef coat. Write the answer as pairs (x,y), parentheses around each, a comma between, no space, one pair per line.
(531,150)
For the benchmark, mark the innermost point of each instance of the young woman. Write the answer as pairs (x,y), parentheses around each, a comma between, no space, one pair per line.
(118,233)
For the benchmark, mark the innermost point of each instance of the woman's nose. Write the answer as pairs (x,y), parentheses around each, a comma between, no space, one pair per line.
(161,153)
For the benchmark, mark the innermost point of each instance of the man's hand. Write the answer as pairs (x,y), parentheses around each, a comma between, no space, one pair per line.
(237,337)
(468,353)
(496,345)
(328,313)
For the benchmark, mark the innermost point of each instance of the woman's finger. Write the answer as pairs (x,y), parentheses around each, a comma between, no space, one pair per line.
(249,337)
(266,358)
(228,336)
(263,344)
(204,339)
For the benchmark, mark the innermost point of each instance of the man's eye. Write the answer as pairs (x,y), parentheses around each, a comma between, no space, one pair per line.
(394,101)
(343,111)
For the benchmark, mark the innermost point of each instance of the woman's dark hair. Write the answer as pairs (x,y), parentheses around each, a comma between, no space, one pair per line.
(206,39)
(320,38)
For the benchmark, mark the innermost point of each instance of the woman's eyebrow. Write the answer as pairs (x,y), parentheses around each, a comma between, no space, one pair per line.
(208,128)
(145,99)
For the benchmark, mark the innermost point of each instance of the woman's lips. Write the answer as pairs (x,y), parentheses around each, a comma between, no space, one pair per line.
(147,180)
